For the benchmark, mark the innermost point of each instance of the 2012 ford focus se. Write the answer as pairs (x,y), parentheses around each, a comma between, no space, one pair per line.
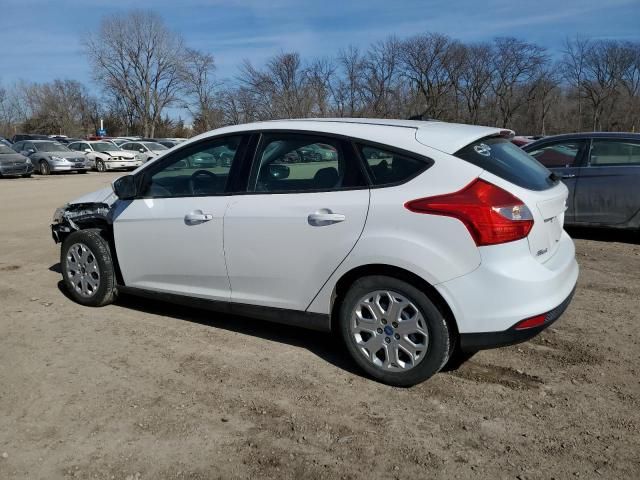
(413,240)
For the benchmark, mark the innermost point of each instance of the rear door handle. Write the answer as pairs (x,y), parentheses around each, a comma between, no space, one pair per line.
(325,217)
(197,217)
(569,175)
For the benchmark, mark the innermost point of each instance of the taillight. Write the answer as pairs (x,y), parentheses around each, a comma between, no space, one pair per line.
(531,322)
(491,214)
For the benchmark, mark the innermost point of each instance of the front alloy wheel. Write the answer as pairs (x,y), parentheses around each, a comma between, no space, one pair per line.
(87,268)
(100,166)
(83,272)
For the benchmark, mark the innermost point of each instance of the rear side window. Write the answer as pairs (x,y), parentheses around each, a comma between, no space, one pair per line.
(387,168)
(502,158)
(292,162)
(615,152)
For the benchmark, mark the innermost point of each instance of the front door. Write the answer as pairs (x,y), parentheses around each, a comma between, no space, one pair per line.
(564,159)
(170,239)
(608,190)
(304,212)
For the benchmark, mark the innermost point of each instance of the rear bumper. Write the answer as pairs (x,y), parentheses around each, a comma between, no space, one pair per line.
(480,341)
(510,285)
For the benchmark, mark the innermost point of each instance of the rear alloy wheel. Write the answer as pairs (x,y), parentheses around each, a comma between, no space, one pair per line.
(100,166)
(87,268)
(45,169)
(393,331)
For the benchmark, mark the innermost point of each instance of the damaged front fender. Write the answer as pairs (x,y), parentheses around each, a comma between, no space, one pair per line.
(78,216)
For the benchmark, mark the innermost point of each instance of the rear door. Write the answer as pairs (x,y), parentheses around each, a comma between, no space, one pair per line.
(300,218)
(564,158)
(608,191)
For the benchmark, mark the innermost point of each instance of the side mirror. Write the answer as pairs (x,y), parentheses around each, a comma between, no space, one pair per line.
(87,150)
(279,172)
(141,150)
(30,151)
(125,187)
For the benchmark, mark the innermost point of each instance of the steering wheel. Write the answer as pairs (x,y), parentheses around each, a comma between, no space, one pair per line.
(200,173)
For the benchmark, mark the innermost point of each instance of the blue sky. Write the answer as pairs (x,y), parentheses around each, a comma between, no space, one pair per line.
(39,39)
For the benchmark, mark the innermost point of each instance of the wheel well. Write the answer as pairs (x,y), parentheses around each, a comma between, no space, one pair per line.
(106,232)
(351,276)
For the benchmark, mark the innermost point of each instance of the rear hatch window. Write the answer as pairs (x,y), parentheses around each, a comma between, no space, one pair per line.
(502,158)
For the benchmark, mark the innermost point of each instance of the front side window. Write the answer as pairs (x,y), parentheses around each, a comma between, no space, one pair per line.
(202,169)
(386,167)
(614,152)
(291,162)
(559,155)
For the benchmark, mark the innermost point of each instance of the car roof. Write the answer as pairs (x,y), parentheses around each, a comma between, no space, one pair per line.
(446,137)
(582,136)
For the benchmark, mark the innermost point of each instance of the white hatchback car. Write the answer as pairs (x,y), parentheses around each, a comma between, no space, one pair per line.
(414,240)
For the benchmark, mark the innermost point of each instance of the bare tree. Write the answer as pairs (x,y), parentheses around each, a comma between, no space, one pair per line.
(476,77)
(200,88)
(137,58)
(515,64)
(426,61)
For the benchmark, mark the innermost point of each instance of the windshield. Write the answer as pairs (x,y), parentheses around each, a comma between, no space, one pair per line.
(502,158)
(154,146)
(4,150)
(51,147)
(104,147)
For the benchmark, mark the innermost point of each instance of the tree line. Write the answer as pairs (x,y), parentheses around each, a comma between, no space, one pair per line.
(143,69)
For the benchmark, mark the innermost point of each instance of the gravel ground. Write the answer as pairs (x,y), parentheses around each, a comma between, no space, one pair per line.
(141,390)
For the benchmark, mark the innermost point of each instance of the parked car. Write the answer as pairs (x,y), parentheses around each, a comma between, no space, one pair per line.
(167,143)
(602,172)
(103,155)
(144,151)
(6,142)
(69,140)
(521,141)
(13,164)
(28,136)
(51,157)
(416,241)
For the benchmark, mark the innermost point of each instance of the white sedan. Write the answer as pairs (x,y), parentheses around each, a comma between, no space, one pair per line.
(103,156)
(418,242)
(144,151)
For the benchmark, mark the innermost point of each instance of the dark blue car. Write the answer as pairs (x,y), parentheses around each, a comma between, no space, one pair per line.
(602,172)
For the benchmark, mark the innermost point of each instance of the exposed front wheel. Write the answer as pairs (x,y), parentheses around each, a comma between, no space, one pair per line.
(87,268)
(44,167)
(393,331)
(100,166)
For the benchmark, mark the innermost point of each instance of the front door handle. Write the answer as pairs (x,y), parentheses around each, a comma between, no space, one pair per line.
(197,217)
(325,217)
(568,175)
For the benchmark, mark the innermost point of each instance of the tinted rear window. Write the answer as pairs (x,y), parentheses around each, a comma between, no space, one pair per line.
(502,158)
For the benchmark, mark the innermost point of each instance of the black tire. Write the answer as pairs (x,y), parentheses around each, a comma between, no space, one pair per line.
(44,168)
(439,334)
(105,293)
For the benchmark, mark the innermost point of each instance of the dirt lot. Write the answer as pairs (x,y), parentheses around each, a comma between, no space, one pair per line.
(140,390)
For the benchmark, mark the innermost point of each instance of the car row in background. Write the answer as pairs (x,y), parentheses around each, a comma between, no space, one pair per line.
(49,156)
(602,172)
